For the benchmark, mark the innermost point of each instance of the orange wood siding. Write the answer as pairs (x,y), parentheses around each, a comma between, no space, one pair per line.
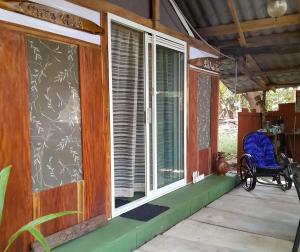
(291,121)
(106,111)
(62,198)
(192,147)
(214,121)
(90,195)
(93,137)
(14,135)
(204,161)
(247,122)
(201,160)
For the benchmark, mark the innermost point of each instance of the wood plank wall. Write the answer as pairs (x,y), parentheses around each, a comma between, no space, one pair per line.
(251,121)
(93,137)
(14,136)
(89,195)
(291,123)
(201,160)
(106,118)
(247,122)
(192,146)
(214,120)
(92,195)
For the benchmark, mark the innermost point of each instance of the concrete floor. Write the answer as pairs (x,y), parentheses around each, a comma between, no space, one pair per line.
(265,219)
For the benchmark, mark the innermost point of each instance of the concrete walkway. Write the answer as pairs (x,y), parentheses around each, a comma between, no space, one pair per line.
(265,219)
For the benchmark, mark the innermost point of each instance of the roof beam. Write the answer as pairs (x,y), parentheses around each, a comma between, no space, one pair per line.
(107,7)
(279,71)
(272,39)
(242,41)
(268,72)
(236,20)
(251,66)
(271,86)
(252,25)
(272,49)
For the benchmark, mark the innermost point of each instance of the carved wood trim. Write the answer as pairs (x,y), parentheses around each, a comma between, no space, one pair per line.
(52,15)
(211,64)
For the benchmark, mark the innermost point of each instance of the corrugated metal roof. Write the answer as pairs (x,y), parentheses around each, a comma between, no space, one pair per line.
(206,13)
(285,78)
(276,61)
(244,84)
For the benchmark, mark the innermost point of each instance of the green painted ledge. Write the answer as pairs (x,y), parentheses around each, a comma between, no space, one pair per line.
(122,234)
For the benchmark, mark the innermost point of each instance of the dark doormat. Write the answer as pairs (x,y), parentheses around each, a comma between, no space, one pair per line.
(120,202)
(145,212)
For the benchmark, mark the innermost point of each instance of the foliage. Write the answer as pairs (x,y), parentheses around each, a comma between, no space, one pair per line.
(281,95)
(227,108)
(31,226)
(227,142)
(4,175)
(273,98)
(226,105)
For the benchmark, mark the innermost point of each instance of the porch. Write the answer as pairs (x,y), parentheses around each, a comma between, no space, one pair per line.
(123,234)
(264,220)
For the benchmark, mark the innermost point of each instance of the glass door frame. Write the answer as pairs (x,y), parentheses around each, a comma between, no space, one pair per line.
(154,38)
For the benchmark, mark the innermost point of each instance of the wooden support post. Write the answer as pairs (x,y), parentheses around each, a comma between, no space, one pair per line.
(156,13)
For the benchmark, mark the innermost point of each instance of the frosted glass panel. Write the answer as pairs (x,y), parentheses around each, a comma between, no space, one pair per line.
(170,127)
(203,110)
(54,107)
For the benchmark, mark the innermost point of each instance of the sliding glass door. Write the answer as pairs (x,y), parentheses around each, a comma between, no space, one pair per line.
(169,115)
(128,95)
(147,114)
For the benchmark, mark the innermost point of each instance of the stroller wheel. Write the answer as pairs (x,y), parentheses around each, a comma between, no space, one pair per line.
(247,173)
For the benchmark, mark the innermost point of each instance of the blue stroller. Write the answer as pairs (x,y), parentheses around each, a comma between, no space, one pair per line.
(259,160)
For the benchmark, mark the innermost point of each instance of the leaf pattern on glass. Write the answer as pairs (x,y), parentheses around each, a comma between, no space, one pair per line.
(54,106)
(203,114)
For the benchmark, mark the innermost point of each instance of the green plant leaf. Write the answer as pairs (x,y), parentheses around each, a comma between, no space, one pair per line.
(4,175)
(31,225)
(40,238)
(48,217)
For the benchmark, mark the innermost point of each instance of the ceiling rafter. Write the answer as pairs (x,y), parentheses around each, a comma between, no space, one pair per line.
(269,72)
(261,81)
(288,85)
(252,25)
(270,49)
(242,39)
(265,40)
